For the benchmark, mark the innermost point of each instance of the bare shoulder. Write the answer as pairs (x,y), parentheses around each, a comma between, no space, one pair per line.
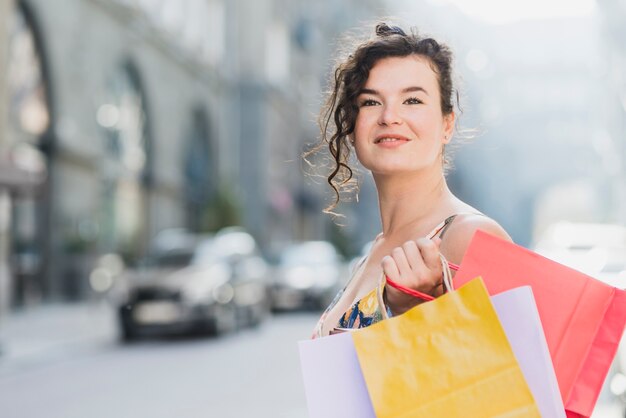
(458,236)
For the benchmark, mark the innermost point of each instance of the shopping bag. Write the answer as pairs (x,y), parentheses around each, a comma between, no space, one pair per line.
(335,388)
(333,382)
(445,358)
(583,319)
(518,315)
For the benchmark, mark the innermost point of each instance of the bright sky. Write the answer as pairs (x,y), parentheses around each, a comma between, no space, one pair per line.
(505,11)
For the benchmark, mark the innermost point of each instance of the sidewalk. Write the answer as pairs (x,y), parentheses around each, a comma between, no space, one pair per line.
(44,334)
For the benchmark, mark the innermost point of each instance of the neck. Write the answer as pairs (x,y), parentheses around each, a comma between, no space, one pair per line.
(408,199)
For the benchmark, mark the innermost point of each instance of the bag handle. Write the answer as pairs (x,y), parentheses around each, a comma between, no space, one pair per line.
(446,280)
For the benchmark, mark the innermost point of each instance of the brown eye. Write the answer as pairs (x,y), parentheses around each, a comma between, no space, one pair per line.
(368,102)
(413,100)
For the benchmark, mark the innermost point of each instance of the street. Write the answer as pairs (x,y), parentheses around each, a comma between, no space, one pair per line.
(65,361)
(250,373)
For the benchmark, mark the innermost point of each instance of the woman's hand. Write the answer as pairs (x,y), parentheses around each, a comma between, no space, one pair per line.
(416,265)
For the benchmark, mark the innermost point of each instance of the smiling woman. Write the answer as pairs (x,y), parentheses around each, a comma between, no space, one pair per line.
(401,89)
(392,103)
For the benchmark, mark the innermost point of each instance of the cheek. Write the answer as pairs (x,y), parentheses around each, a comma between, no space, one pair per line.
(360,140)
(363,158)
(358,127)
(362,125)
(428,124)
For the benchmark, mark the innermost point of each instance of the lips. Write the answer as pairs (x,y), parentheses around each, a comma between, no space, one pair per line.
(389,139)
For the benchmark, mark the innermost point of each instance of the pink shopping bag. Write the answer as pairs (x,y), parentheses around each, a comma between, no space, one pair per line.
(583,319)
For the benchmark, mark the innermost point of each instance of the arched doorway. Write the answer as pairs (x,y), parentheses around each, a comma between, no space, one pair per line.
(30,149)
(125,166)
(199,172)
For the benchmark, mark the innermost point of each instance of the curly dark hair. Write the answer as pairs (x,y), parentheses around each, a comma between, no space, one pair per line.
(350,76)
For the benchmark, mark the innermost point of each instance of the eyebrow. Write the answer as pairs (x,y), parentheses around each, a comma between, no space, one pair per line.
(406,90)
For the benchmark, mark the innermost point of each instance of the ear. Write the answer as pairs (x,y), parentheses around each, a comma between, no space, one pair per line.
(448,127)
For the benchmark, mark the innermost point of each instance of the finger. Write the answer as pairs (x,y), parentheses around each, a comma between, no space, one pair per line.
(402,263)
(413,256)
(430,253)
(390,269)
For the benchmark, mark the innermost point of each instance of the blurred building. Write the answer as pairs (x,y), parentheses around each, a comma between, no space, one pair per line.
(532,93)
(613,50)
(284,52)
(16,177)
(537,100)
(118,103)
(134,116)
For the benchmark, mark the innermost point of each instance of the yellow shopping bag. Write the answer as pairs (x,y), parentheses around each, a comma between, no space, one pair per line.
(445,358)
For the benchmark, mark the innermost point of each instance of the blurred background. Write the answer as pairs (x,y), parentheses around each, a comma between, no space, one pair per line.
(162,248)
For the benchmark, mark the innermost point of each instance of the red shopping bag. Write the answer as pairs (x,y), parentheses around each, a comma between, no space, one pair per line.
(583,318)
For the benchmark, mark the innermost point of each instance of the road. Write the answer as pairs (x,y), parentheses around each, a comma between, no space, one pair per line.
(252,373)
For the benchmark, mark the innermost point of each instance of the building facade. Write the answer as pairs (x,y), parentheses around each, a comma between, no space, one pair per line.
(135,116)
(613,53)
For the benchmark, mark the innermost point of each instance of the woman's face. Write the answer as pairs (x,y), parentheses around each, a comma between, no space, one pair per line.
(400,127)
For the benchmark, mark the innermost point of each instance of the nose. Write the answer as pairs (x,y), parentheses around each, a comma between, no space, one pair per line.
(389,116)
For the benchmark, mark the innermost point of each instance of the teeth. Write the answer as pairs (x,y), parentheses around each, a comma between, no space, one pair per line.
(388,140)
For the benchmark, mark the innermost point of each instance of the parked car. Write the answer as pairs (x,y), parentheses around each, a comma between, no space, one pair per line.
(598,250)
(249,271)
(211,284)
(308,275)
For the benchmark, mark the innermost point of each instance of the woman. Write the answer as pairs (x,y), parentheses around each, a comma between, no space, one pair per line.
(392,104)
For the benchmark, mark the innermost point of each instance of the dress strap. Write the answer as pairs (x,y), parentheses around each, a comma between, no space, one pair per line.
(443,226)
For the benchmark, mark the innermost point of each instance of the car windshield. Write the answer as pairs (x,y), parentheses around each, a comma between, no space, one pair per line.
(614,267)
(171,259)
(309,254)
(228,247)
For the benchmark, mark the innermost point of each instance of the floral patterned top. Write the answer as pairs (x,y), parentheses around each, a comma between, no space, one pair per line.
(367,310)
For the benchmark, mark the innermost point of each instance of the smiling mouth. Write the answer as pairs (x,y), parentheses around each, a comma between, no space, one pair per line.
(390,139)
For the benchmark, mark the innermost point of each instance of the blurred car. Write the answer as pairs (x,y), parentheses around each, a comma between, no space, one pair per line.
(200,284)
(598,250)
(249,271)
(308,274)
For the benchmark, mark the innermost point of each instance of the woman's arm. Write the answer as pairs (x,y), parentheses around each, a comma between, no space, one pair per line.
(459,235)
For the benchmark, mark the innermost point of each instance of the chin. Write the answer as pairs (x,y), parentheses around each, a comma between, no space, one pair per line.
(399,168)
(406,163)
(396,170)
